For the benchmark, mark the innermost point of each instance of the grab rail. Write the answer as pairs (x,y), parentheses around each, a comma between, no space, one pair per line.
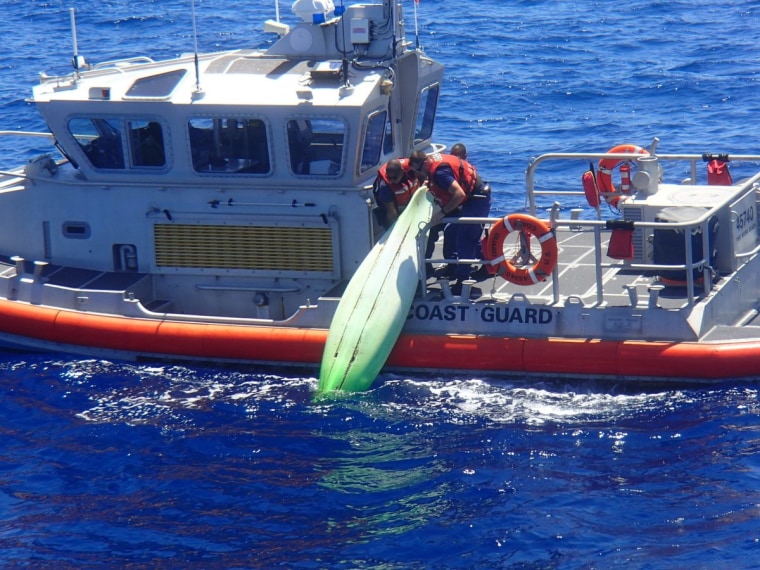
(692,159)
(687,229)
(28,134)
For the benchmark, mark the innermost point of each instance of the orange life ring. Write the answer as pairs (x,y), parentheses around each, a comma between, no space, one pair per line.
(493,252)
(607,165)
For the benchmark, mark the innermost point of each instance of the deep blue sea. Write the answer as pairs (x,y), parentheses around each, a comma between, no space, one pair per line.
(118,465)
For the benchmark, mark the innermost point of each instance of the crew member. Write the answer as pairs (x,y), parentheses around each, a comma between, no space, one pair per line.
(393,189)
(459,150)
(460,192)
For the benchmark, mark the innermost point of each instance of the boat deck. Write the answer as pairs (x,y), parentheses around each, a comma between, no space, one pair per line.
(74,277)
(575,277)
(579,277)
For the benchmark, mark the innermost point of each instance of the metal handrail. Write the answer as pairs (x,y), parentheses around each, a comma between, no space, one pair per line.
(693,159)
(689,265)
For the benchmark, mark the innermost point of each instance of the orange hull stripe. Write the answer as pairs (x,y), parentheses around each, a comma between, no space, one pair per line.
(442,352)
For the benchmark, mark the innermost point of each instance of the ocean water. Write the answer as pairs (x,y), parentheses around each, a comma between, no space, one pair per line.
(117,465)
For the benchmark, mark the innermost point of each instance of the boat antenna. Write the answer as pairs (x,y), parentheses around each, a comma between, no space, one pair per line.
(198,89)
(416,27)
(77,61)
(340,12)
(394,18)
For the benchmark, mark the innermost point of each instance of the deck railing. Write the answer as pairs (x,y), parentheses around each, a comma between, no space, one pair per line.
(530,174)
(599,226)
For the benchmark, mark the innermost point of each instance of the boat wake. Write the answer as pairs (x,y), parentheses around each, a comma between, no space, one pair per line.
(180,398)
(177,397)
(497,401)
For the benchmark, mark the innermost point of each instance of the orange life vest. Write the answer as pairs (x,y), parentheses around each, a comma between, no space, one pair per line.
(402,191)
(464,173)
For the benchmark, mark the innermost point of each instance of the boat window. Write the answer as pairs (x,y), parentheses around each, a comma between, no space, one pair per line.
(388,140)
(100,140)
(373,140)
(426,114)
(156,86)
(76,230)
(316,146)
(146,142)
(229,145)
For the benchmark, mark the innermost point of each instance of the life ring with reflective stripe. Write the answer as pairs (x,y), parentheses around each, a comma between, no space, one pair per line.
(530,269)
(606,167)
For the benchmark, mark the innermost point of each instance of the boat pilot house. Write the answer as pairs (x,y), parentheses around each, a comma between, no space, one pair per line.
(250,166)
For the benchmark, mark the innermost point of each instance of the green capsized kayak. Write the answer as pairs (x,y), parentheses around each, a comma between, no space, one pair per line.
(375,304)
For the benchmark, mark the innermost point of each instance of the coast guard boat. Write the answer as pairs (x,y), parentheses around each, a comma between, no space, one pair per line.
(214,207)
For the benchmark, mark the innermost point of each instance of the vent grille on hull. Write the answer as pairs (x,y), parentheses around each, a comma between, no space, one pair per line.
(244,247)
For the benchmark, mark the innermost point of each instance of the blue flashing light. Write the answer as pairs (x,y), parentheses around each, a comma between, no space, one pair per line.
(339,11)
(318,18)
